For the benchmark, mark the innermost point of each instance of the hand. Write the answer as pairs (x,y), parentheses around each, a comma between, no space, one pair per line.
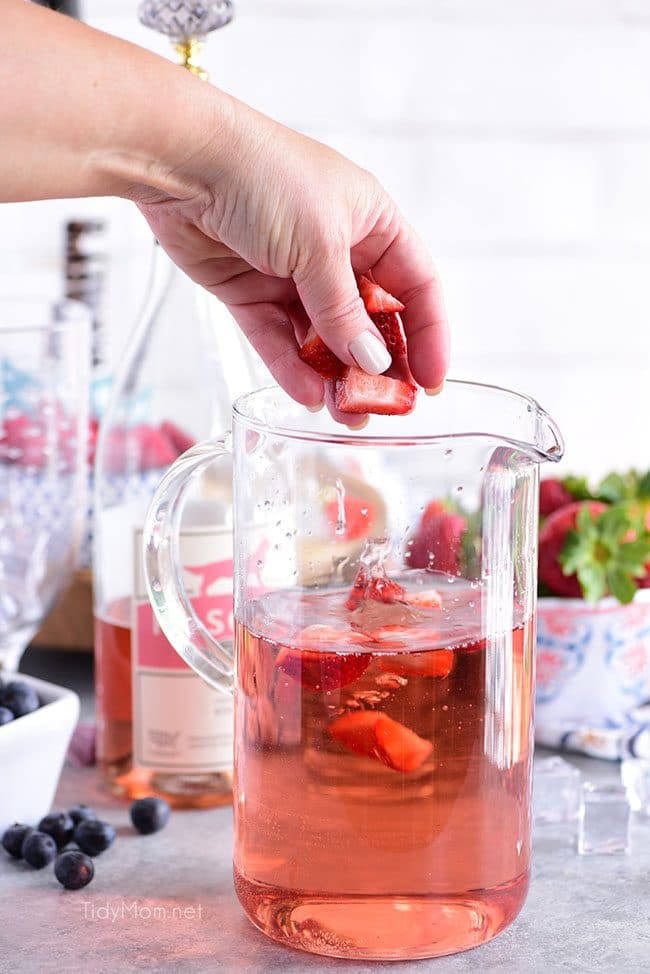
(276,225)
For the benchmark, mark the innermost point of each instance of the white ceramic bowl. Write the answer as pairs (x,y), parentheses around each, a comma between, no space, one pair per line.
(32,751)
(593,661)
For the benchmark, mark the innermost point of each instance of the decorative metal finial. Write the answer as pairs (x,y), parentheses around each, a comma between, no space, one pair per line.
(186,23)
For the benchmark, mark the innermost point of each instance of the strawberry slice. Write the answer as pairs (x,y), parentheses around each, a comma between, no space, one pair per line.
(376,300)
(374,734)
(427,599)
(155,449)
(179,439)
(322,359)
(357,392)
(374,585)
(437,542)
(321,671)
(390,330)
(437,663)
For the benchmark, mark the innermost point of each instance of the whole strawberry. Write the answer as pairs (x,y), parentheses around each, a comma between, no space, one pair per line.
(551,544)
(552,495)
(437,542)
(589,549)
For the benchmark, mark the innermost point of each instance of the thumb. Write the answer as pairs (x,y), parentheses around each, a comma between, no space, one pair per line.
(330,296)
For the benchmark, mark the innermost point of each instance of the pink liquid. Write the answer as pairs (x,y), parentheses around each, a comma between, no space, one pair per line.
(403,831)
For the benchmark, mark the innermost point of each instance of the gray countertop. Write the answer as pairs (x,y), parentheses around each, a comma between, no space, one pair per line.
(584,915)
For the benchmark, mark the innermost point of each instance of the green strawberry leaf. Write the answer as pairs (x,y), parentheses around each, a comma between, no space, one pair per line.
(613,489)
(634,555)
(579,488)
(607,553)
(621,585)
(644,486)
(593,581)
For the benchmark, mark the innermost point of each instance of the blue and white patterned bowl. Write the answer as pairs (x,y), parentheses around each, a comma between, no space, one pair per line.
(593,673)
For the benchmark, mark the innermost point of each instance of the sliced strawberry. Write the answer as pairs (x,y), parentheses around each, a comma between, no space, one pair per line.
(553,495)
(399,747)
(179,439)
(551,542)
(319,670)
(322,635)
(322,359)
(376,300)
(91,446)
(437,541)
(437,663)
(358,392)
(359,515)
(155,449)
(356,731)
(390,330)
(375,586)
(427,599)
(376,735)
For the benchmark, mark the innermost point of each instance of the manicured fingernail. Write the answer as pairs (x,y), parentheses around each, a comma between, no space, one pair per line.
(316,409)
(436,391)
(359,426)
(369,353)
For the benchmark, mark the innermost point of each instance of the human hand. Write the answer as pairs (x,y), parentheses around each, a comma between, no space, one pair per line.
(277,225)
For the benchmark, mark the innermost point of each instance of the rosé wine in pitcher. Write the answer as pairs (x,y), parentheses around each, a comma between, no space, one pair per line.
(383,722)
(384,764)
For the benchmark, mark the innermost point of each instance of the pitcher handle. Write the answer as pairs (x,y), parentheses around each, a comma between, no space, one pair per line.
(162,567)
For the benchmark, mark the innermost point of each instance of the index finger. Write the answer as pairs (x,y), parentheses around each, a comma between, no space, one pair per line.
(406,270)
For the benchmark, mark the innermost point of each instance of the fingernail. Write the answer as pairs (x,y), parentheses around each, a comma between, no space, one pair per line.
(316,409)
(359,426)
(370,353)
(436,391)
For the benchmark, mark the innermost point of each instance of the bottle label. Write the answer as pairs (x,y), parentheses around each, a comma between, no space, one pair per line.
(180,724)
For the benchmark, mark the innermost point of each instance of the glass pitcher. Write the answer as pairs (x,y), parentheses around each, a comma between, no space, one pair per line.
(383,667)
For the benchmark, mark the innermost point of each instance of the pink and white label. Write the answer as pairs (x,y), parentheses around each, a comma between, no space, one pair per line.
(180,724)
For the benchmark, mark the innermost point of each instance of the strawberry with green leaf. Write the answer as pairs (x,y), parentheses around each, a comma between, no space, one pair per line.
(588,549)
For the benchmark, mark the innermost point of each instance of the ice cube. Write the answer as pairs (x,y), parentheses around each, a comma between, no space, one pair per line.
(556,791)
(635,775)
(604,820)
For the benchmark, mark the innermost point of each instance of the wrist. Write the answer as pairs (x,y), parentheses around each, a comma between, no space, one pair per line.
(174,144)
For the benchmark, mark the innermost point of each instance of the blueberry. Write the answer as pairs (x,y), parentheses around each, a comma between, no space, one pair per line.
(19,698)
(13,838)
(81,813)
(39,849)
(59,825)
(6,716)
(73,869)
(93,836)
(149,814)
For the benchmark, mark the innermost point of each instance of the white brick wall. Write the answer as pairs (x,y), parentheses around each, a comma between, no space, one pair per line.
(515,134)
